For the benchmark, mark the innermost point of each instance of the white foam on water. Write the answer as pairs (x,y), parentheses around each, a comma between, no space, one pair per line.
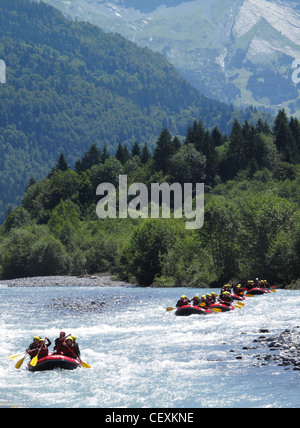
(143,356)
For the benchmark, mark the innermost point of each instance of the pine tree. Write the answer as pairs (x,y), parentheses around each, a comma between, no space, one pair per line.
(145,154)
(62,164)
(177,143)
(236,158)
(262,127)
(284,138)
(104,154)
(163,151)
(136,150)
(120,153)
(90,158)
(295,129)
(217,136)
(126,153)
(196,136)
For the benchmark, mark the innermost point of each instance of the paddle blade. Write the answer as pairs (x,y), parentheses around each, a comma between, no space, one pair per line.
(216,309)
(19,363)
(34,361)
(170,309)
(12,357)
(273,291)
(241,304)
(85,365)
(249,295)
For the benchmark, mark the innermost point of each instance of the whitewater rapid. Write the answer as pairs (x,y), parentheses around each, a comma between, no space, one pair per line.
(140,354)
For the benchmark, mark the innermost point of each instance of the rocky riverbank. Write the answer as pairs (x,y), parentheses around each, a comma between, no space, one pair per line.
(282,349)
(64,281)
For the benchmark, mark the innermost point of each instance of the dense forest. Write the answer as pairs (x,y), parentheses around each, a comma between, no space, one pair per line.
(70,85)
(252,211)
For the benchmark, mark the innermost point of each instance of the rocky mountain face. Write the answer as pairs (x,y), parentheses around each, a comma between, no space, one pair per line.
(238,51)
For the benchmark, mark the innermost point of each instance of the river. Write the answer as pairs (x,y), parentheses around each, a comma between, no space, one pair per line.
(142,356)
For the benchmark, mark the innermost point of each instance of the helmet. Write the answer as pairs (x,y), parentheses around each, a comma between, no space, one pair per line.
(36,338)
(69,338)
(183,296)
(74,338)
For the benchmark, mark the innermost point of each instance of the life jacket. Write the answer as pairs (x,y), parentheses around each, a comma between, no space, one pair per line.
(183,302)
(59,344)
(32,349)
(43,352)
(196,301)
(69,351)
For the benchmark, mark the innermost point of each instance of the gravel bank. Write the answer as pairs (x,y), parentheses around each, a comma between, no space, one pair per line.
(64,281)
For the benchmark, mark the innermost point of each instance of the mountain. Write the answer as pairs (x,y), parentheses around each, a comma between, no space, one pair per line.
(238,51)
(68,84)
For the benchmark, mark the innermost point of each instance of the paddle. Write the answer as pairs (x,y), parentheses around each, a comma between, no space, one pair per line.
(34,360)
(216,309)
(170,308)
(238,307)
(20,362)
(85,365)
(249,295)
(273,291)
(12,357)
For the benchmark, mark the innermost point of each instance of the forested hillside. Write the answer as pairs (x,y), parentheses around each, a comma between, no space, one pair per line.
(69,85)
(252,211)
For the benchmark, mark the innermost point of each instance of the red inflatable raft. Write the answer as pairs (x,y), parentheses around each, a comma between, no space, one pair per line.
(190,310)
(54,361)
(236,297)
(256,291)
(221,307)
